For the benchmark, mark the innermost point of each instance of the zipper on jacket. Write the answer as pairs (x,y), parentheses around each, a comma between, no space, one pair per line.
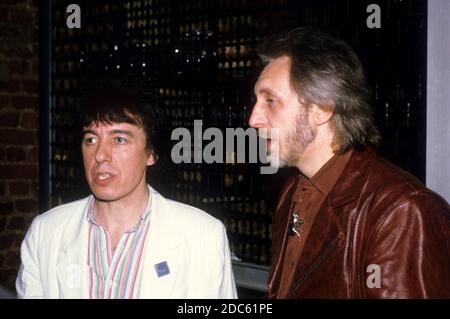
(316,264)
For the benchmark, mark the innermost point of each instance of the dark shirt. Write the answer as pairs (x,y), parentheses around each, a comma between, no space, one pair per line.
(307,200)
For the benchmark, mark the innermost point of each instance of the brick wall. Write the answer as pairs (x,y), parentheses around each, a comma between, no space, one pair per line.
(18,129)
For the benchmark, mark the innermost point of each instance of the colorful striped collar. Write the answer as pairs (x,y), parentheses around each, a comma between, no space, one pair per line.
(143,219)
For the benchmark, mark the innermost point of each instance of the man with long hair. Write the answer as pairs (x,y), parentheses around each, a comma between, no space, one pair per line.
(351,224)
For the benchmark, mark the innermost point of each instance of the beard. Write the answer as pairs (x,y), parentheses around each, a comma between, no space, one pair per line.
(295,142)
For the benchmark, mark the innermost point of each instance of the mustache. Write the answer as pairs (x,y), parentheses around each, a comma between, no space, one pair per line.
(268,133)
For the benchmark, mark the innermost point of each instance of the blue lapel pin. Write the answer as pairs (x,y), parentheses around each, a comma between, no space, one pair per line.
(162,269)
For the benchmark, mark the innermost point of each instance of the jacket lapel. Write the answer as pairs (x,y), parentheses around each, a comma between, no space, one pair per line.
(326,234)
(162,260)
(280,225)
(72,270)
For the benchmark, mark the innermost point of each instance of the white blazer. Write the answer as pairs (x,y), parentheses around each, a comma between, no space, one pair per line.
(191,242)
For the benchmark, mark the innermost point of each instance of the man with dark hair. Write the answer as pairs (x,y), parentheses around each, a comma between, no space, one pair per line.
(125,240)
(350,225)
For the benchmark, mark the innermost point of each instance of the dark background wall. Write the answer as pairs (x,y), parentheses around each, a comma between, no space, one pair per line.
(199,58)
(18,128)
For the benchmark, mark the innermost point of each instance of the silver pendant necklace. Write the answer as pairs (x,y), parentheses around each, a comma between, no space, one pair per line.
(295,224)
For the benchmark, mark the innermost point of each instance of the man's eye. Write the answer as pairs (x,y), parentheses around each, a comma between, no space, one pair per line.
(121,140)
(89,140)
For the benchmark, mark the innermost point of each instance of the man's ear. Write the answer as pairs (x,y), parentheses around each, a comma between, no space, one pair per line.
(320,115)
(152,158)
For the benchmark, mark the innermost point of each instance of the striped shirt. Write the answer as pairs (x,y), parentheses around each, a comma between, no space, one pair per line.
(115,275)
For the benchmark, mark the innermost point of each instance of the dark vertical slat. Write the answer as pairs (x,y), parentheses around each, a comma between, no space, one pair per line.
(45,32)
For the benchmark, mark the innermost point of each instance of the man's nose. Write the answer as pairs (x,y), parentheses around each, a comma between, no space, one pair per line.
(103,152)
(257,117)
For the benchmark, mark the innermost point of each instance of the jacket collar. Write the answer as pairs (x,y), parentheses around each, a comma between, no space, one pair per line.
(352,178)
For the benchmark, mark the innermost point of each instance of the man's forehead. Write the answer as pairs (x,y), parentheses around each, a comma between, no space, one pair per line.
(274,78)
(104,126)
(282,61)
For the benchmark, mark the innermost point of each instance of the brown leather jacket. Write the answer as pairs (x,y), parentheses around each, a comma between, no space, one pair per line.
(377,215)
